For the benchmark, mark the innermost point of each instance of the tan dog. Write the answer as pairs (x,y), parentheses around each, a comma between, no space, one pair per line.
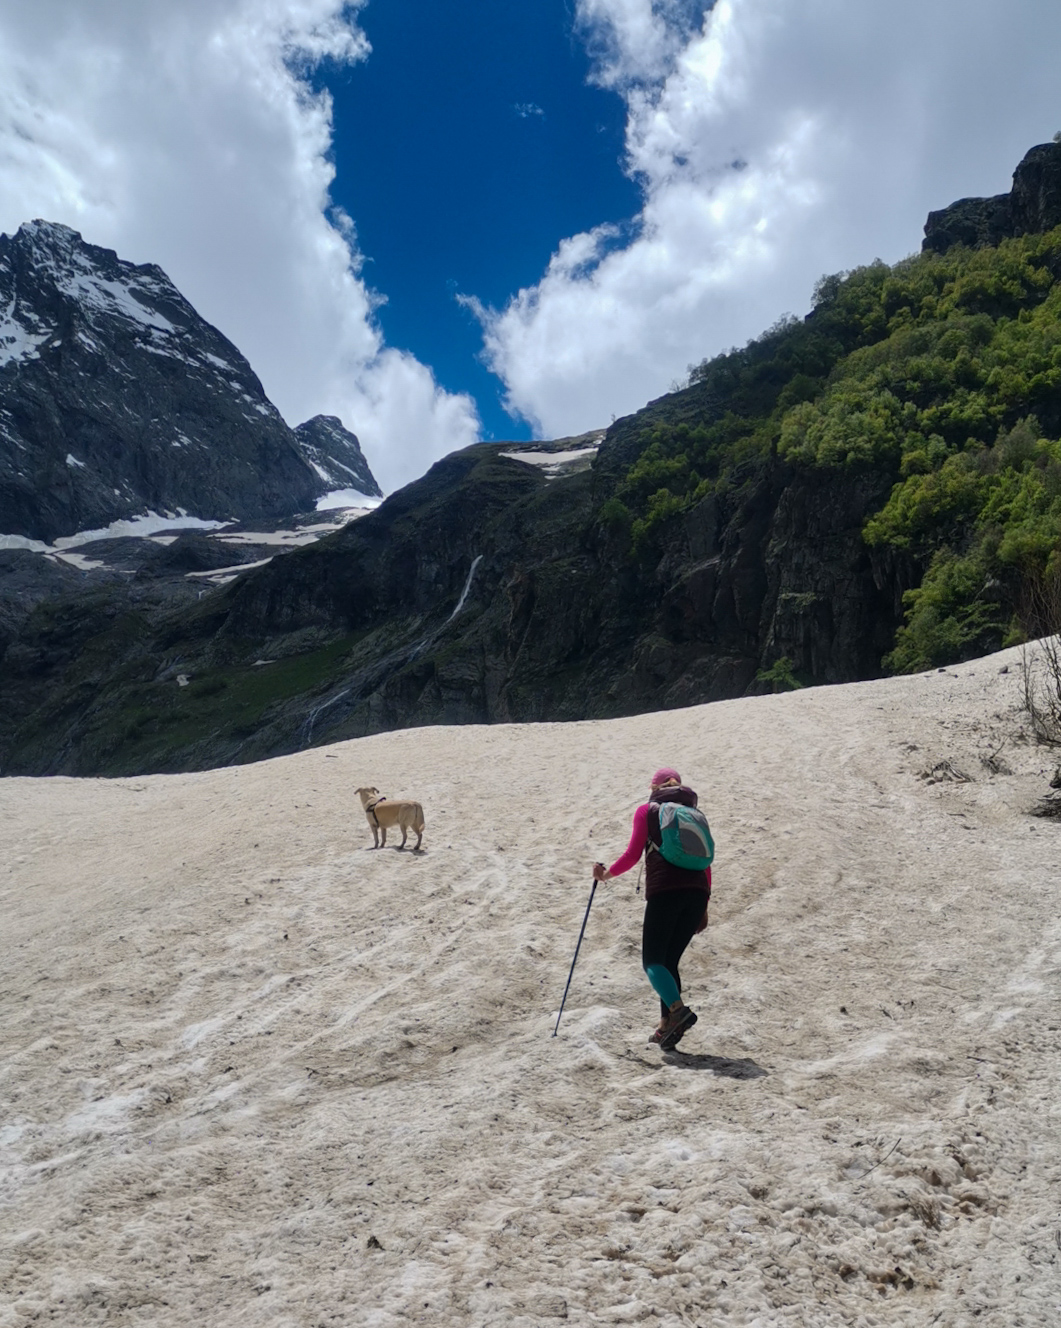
(381,814)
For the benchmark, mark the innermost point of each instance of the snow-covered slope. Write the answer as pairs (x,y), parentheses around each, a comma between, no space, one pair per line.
(254,1073)
(116,397)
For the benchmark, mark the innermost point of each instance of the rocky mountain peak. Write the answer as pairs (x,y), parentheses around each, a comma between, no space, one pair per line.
(335,454)
(54,278)
(1032,206)
(116,397)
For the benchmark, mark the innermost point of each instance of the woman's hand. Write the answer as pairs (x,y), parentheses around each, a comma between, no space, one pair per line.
(600,872)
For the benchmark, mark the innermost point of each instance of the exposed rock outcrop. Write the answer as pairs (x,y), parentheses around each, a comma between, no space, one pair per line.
(1032,205)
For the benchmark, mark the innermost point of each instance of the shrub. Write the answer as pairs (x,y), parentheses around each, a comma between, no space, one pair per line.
(780,675)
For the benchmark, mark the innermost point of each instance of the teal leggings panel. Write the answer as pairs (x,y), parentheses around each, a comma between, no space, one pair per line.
(663,983)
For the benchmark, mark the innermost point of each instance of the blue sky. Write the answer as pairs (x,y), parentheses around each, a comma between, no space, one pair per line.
(466,147)
(599,248)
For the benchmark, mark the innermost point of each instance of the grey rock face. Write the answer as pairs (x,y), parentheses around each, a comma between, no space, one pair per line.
(116,397)
(482,592)
(336,456)
(1033,205)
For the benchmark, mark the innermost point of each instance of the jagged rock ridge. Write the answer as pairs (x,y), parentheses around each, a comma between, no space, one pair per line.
(1033,205)
(335,454)
(116,397)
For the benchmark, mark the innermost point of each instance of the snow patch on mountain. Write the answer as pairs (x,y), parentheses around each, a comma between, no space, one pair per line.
(137,527)
(17,342)
(558,460)
(347,499)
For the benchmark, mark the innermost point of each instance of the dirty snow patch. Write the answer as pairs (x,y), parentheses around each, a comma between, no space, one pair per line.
(555,464)
(352,500)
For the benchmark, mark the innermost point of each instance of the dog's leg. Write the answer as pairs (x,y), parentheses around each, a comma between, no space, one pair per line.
(405,835)
(383,836)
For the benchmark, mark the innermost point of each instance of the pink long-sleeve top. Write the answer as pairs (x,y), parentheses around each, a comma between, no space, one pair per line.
(636,846)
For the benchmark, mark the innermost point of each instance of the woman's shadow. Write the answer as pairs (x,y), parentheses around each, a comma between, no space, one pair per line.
(745,1068)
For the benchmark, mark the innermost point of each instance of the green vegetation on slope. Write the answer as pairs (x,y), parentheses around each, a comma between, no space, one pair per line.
(160,722)
(944,374)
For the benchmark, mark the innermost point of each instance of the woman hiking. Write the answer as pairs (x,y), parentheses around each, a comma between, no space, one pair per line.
(675,904)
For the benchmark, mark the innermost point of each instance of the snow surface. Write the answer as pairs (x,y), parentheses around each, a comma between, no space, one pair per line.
(75,274)
(150,523)
(300,535)
(116,298)
(16,341)
(80,561)
(558,463)
(351,499)
(23,542)
(225,574)
(255,1073)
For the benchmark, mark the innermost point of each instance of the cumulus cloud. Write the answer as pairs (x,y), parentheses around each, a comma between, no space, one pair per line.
(774,140)
(189,135)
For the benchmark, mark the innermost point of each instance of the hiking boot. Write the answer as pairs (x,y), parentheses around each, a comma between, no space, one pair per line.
(675,1026)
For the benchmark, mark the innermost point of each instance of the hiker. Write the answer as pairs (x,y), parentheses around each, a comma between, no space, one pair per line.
(675,900)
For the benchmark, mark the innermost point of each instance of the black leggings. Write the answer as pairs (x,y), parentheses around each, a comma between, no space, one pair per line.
(671,920)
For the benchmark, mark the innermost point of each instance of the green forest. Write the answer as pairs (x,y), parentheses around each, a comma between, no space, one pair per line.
(942,372)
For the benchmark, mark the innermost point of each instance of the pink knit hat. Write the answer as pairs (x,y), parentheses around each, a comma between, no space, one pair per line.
(661,776)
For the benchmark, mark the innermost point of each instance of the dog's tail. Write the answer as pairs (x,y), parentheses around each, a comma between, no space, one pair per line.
(418,818)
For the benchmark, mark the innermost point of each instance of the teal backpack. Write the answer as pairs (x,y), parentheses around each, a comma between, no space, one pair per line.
(686,836)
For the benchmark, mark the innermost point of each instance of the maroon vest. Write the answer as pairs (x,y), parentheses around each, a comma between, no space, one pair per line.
(661,875)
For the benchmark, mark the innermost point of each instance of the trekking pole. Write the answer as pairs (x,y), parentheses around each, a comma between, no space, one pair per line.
(577,948)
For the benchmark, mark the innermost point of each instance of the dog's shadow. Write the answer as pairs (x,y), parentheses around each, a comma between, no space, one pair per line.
(745,1068)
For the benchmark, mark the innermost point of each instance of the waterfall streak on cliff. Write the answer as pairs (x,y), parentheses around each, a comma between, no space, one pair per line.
(467,586)
(375,675)
(312,719)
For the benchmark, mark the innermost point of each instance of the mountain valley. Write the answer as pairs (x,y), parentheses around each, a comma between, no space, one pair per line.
(876,487)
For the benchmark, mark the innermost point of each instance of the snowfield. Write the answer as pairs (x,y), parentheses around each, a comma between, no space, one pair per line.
(254,1073)
(556,464)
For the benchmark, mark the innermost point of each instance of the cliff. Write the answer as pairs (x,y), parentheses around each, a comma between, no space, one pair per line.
(1032,205)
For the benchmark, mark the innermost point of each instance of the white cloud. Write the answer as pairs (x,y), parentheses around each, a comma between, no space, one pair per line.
(774,141)
(634,41)
(187,135)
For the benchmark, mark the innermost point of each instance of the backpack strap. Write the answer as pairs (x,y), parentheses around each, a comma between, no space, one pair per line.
(649,841)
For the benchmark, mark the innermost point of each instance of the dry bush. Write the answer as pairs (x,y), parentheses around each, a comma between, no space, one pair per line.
(1041,660)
